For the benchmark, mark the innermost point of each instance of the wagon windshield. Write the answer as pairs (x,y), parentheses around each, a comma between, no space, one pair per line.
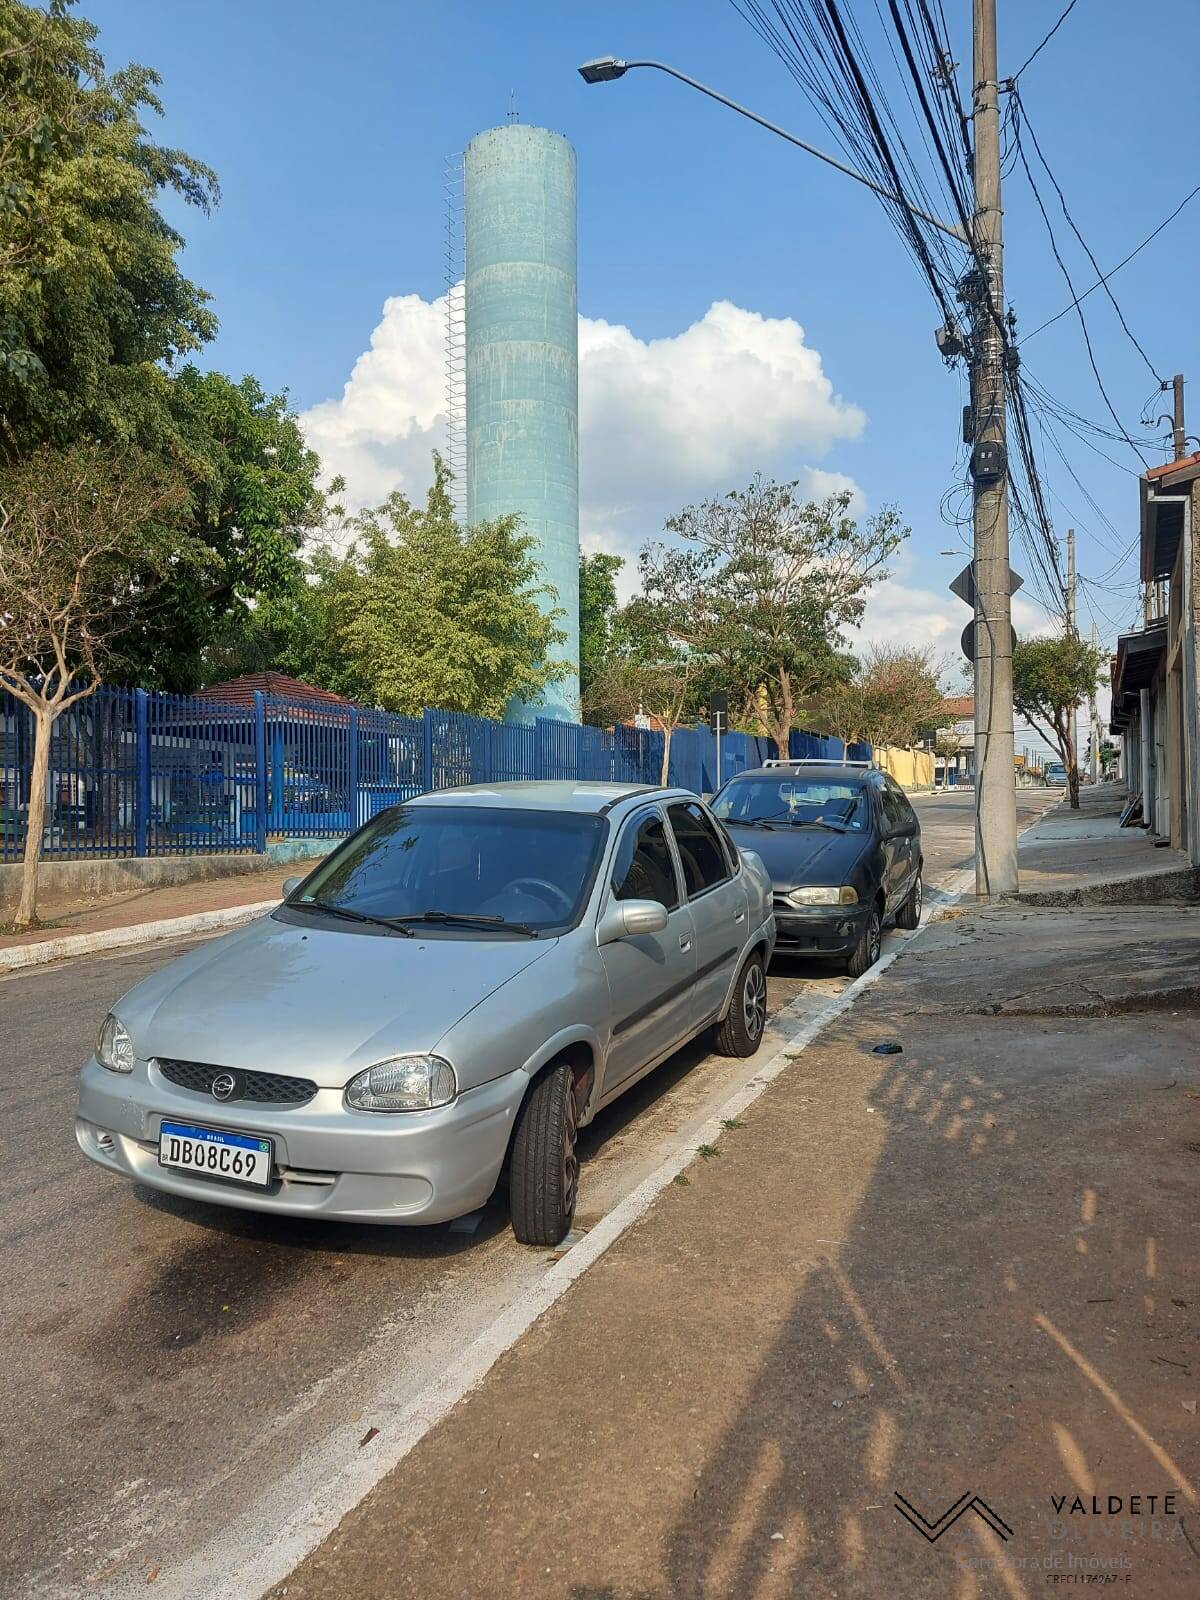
(527,868)
(836,801)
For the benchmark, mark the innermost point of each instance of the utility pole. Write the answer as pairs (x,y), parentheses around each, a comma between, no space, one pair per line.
(1095,716)
(1071,581)
(1073,630)
(1178,435)
(995,782)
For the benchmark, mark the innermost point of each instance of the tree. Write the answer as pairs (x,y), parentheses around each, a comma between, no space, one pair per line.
(764,583)
(647,670)
(255,497)
(424,614)
(597,606)
(948,741)
(889,697)
(79,531)
(1050,678)
(93,306)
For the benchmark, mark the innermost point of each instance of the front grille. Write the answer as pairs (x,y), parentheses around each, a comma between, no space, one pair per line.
(270,1087)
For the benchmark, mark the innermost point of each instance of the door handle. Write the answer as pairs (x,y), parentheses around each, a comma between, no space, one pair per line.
(685,944)
(740,917)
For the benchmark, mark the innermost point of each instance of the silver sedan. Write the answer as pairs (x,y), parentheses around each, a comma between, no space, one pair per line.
(447,998)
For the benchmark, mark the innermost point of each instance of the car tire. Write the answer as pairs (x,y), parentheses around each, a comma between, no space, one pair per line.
(909,915)
(741,1030)
(866,952)
(543,1180)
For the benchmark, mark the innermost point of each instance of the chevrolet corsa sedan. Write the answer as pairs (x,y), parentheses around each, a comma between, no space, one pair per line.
(452,994)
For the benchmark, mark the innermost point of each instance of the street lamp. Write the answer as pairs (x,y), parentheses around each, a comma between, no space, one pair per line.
(603,69)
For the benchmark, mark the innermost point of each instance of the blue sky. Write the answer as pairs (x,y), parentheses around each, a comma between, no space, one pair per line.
(328,126)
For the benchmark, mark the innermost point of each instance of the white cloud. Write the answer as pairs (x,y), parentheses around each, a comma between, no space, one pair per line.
(391,416)
(662,421)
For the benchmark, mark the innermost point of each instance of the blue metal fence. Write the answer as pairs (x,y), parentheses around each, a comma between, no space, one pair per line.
(140,774)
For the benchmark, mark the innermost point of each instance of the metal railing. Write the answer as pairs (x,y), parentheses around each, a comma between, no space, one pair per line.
(134,773)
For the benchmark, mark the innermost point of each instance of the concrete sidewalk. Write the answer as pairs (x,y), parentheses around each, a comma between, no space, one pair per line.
(70,926)
(971,1269)
(1085,857)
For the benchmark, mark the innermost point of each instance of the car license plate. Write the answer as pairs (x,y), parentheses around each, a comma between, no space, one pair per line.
(215,1153)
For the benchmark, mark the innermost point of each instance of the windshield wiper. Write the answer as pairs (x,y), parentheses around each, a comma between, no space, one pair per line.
(822,822)
(472,919)
(396,924)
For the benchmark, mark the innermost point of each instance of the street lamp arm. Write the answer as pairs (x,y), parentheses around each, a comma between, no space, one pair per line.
(772,127)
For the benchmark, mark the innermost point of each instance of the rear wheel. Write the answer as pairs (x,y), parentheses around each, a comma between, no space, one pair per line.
(909,915)
(740,1034)
(544,1173)
(866,951)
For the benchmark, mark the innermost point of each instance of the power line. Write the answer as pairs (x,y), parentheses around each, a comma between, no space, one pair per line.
(1046,40)
(1114,270)
(1023,115)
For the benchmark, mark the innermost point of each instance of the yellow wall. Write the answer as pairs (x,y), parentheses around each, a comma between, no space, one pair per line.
(912,769)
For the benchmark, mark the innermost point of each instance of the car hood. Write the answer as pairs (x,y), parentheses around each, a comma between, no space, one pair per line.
(316,1002)
(802,855)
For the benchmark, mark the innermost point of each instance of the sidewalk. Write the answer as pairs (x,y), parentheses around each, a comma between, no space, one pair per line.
(64,916)
(1085,857)
(969,1269)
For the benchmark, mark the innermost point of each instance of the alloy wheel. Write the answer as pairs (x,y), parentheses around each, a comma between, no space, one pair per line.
(754,999)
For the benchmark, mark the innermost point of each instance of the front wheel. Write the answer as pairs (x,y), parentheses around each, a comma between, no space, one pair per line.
(544,1174)
(866,951)
(741,1031)
(909,915)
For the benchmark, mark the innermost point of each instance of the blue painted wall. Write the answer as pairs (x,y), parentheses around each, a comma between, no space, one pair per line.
(522,360)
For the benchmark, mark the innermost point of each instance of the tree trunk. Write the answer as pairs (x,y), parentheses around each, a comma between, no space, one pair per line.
(35,820)
(666,761)
(1071,763)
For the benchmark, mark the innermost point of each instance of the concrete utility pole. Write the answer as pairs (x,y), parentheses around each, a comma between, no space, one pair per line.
(1177,432)
(995,781)
(1093,711)
(1072,628)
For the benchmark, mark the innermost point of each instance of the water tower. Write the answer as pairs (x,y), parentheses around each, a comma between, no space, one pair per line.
(522,361)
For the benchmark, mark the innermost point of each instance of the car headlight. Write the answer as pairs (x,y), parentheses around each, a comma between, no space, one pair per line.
(114,1047)
(845,895)
(405,1083)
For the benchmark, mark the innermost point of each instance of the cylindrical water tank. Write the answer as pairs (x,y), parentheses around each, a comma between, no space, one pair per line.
(522,360)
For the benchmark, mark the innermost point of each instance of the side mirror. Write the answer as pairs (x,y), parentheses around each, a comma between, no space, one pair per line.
(629,918)
(290,885)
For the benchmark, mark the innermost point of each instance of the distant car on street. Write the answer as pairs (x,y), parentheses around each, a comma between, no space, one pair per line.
(843,847)
(1054,775)
(450,995)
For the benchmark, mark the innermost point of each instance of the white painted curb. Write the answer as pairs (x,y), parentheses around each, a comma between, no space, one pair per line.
(84,944)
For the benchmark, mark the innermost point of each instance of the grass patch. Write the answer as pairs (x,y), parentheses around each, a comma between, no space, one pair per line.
(732,1122)
(682,1179)
(708,1151)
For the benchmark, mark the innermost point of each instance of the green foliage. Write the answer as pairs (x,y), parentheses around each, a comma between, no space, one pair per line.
(255,497)
(762,587)
(889,697)
(597,605)
(91,293)
(421,614)
(1050,678)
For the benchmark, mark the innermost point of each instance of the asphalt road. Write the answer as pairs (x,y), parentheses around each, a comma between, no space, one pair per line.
(166,1363)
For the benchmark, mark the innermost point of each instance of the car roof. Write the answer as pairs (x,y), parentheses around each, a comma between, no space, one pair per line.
(549,795)
(843,772)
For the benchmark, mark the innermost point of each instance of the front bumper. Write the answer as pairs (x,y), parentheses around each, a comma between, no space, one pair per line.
(330,1162)
(818,930)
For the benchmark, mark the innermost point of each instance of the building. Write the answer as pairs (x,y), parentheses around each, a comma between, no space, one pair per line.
(954,764)
(1155,704)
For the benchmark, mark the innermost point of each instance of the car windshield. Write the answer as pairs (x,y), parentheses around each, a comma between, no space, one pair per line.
(461,868)
(836,802)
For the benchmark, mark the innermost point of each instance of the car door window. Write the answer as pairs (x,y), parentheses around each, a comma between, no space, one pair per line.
(898,813)
(643,868)
(704,862)
(890,816)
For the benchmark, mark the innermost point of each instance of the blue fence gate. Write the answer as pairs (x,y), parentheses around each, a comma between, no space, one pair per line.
(134,773)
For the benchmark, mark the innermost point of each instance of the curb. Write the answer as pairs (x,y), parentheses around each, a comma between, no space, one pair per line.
(17,956)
